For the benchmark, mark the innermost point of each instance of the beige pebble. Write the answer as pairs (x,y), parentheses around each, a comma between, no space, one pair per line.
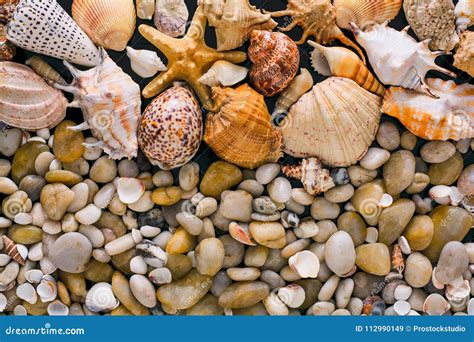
(81,195)
(267,172)
(388,136)
(143,290)
(374,158)
(408,141)
(189,176)
(209,256)
(252,187)
(104,170)
(243,273)
(322,209)
(340,193)
(163,178)
(437,151)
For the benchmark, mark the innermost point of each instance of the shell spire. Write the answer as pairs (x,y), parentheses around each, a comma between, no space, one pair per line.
(398,263)
(300,85)
(12,250)
(313,176)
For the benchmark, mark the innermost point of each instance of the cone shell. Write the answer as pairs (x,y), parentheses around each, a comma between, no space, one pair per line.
(27,101)
(365,12)
(241,132)
(464,12)
(12,250)
(170,131)
(52,32)
(171,17)
(336,122)
(451,116)
(464,57)
(109,23)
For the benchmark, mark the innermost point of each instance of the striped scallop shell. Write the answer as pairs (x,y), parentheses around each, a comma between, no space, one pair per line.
(365,12)
(336,122)
(170,131)
(464,57)
(109,23)
(27,101)
(451,116)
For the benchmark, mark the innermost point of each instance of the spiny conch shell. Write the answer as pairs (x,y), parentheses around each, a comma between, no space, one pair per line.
(6,9)
(12,250)
(108,23)
(464,57)
(242,113)
(365,12)
(110,102)
(305,264)
(433,20)
(27,292)
(145,63)
(451,116)
(171,17)
(300,85)
(45,70)
(317,18)
(342,62)
(145,9)
(171,128)
(27,101)
(7,49)
(336,122)
(223,73)
(129,189)
(240,232)
(234,20)
(275,59)
(458,293)
(404,62)
(435,305)
(47,289)
(464,12)
(398,263)
(44,27)
(313,176)
(101,298)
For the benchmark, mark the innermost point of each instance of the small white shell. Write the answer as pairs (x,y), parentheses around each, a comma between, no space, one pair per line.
(305,264)
(129,189)
(441,194)
(402,292)
(27,292)
(145,63)
(101,298)
(292,295)
(18,310)
(89,215)
(470,307)
(47,289)
(57,308)
(386,201)
(458,293)
(34,276)
(435,305)
(241,233)
(223,73)
(402,307)
(145,9)
(436,282)
(22,218)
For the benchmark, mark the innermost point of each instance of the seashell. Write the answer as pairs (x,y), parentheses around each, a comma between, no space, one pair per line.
(365,13)
(435,305)
(34,276)
(111,104)
(317,18)
(313,176)
(342,62)
(3,302)
(223,73)
(242,113)
(450,116)
(170,131)
(398,263)
(404,62)
(7,49)
(458,293)
(47,289)
(441,194)
(241,233)
(129,189)
(57,308)
(27,292)
(108,23)
(300,85)
(234,20)
(292,295)
(27,101)
(145,9)
(171,17)
(11,249)
(464,12)
(145,63)
(7,7)
(45,70)
(52,32)
(275,59)
(336,122)
(152,254)
(101,298)
(436,283)
(305,264)
(464,57)
(470,307)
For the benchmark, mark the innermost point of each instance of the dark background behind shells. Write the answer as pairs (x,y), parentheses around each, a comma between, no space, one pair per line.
(205,155)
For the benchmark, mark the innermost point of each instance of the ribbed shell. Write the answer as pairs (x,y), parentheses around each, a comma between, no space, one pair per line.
(171,17)
(451,116)
(109,23)
(464,57)
(52,32)
(12,250)
(365,12)
(27,101)
(170,131)
(336,122)
(275,60)
(241,132)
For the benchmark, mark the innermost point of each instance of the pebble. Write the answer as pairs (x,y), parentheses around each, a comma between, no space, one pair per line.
(307,228)
(181,242)
(408,141)
(322,308)
(51,227)
(419,232)
(7,186)
(267,172)
(252,187)
(374,158)
(219,177)
(373,258)
(55,199)
(402,292)
(10,141)
(243,273)
(447,172)
(270,234)
(339,253)
(94,235)
(256,256)
(163,178)
(366,284)
(322,209)
(143,290)
(32,185)
(388,136)
(243,294)
(353,224)
(189,176)
(340,176)
(236,205)
(5,167)
(160,276)
(399,171)
(418,270)
(420,182)
(466,181)
(98,272)
(80,167)
(127,168)
(340,193)
(144,203)
(209,255)
(344,292)
(193,224)
(329,288)
(71,252)
(206,207)
(453,261)
(24,160)
(24,235)
(294,247)
(104,170)
(42,162)
(279,190)
(289,219)
(358,175)
(167,196)
(301,196)
(68,144)
(394,219)
(264,205)
(437,151)
(326,229)
(121,289)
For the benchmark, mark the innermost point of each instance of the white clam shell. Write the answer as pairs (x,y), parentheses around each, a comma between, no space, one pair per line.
(441,194)
(223,73)
(402,307)
(458,293)
(129,189)
(18,310)
(47,288)
(27,292)
(435,305)
(292,295)
(57,308)
(305,264)
(34,276)
(145,63)
(103,197)
(101,298)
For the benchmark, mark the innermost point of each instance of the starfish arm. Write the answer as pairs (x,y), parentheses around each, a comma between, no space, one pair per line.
(162,41)
(235,57)
(159,83)
(280,13)
(198,25)
(203,93)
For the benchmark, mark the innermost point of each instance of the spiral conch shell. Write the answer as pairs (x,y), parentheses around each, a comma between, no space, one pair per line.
(365,13)
(401,62)
(313,176)
(300,85)
(109,23)
(27,101)
(110,102)
(464,12)
(241,132)
(464,57)
(342,62)
(451,116)
(336,122)
(171,17)
(223,73)
(145,63)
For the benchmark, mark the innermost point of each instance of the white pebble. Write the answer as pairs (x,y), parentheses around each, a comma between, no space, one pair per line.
(267,172)
(386,201)
(89,215)
(150,231)
(23,218)
(279,190)
(402,307)
(138,265)
(91,153)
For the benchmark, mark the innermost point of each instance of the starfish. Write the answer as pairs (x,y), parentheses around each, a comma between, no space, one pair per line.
(188,59)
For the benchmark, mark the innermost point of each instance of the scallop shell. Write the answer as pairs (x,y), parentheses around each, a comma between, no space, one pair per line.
(464,57)
(234,20)
(129,189)
(7,7)
(435,305)
(52,32)
(47,289)
(27,293)
(365,12)
(145,9)
(57,308)
(313,176)
(45,70)
(336,122)
(433,20)
(305,263)
(34,276)
(101,298)
(170,131)
(458,293)
(342,62)
(404,62)
(451,116)
(27,101)
(464,12)
(109,23)
(111,105)
(145,63)
(223,73)
(7,49)
(171,17)
(275,60)
(300,85)
(241,132)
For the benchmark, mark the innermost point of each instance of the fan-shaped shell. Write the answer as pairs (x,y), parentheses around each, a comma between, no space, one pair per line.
(171,17)
(336,122)
(109,23)
(27,101)
(241,132)
(170,131)
(451,116)
(275,60)
(464,12)
(433,20)
(365,13)
(464,57)
(44,27)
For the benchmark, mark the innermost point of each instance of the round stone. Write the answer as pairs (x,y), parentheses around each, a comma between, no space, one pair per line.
(71,252)
(373,258)
(437,151)
(220,176)
(68,144)
(399,171)
(103,170)
(388,136)
(447,172)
